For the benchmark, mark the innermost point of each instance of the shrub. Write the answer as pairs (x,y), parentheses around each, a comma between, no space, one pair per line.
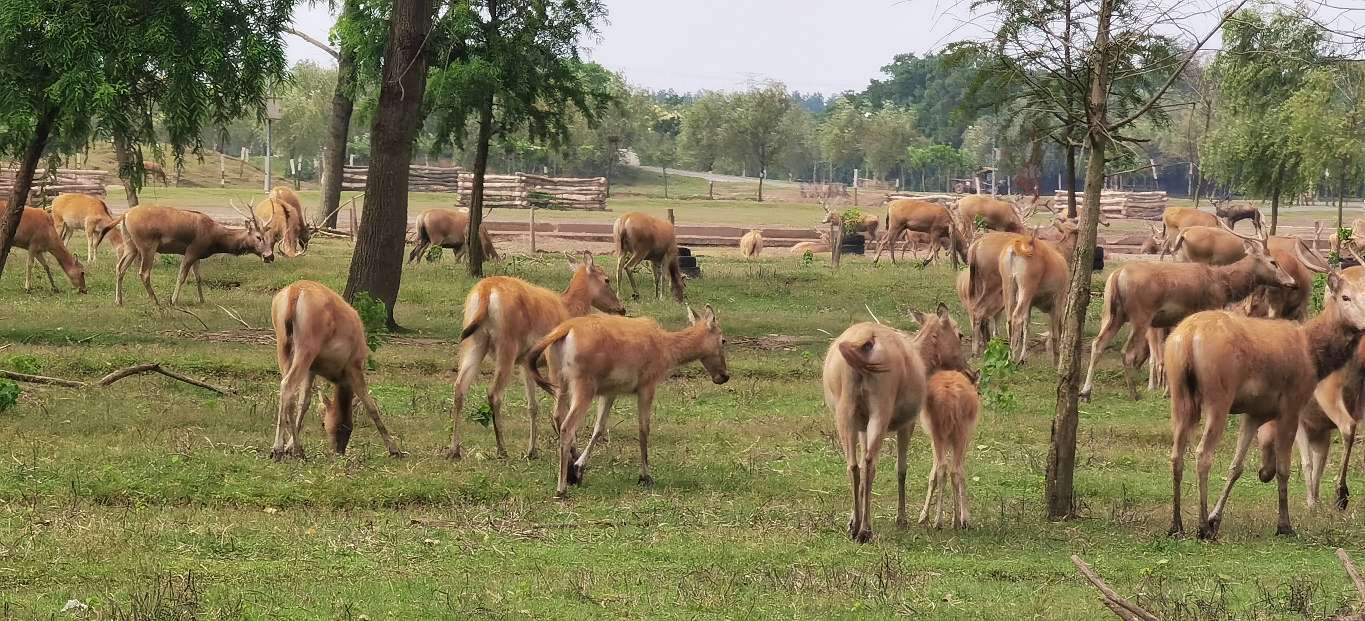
(9,394)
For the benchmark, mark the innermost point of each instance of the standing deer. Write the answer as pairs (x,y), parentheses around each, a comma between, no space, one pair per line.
(156,171)
(925,217)
(72,212)
(37,235)
(605,356)
(448,228)
(642,237)
(1032,274)
(287,221)
(149,230)
(1236,212)
(874,381)
(980,285)
(1218,363)
(951,410)
(1156,296)
(751,244)
(996,214)
(318,334)
(504,317)
(1173,219)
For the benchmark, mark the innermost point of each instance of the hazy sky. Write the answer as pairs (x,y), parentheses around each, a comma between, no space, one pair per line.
(811,45)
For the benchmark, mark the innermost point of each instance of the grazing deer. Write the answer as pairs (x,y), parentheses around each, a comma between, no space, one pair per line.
(951,410)
(288,224)
(1155,296)
(1173,219)
(998,215)
(504,317)
(318,334)
(874,381)
(925,217)
(980,287)
(1218,363)
(867,226)
(605,356)
(156,171)
(38,236)
(642,237)
(1033,273)
(149,230)
(751,243)
(448,228)
(72,212)
(1236,212)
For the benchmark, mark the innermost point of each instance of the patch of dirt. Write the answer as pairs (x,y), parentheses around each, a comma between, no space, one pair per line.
(267,337)
(771,342)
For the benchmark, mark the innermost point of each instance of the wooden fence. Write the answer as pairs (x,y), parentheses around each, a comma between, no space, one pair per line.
(61,181)
(1137,205)
(519,191)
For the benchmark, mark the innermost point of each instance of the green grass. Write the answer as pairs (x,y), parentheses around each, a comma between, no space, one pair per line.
(150,498)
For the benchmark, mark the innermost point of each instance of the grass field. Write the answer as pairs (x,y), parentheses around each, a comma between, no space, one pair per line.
(154,500)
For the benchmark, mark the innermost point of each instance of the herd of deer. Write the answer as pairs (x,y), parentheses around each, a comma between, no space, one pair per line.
(1223,330)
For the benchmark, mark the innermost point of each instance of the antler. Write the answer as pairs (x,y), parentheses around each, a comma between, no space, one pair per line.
(1263,239)
(248,214)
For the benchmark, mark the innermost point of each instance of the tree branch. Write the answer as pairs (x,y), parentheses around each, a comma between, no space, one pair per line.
(320,45)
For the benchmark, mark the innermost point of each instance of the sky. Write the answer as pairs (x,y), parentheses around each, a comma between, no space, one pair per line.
(820,46)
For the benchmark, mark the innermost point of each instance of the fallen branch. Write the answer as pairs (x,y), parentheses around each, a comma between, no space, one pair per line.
(1121,607)
(156,368)
(1351,570)
(235,316)
(39,379)
(187,312)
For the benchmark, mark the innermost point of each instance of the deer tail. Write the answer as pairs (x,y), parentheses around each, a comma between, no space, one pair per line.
(973,287)
(533,355)
(476,313)
(618,236)
(858,356)
(423,240)
(675,275)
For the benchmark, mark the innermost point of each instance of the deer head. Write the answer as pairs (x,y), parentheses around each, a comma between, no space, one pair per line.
(602,296)
(1264,265)
(713,349)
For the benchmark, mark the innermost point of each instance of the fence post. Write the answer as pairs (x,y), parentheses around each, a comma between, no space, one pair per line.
(711,191)
(836,235)
(533,228)
(670,216)
(352,222)
(222,175)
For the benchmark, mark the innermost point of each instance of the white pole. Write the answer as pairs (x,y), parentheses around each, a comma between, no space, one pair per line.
(267,154)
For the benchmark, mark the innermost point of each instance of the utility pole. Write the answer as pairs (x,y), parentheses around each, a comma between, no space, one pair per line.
(273,111)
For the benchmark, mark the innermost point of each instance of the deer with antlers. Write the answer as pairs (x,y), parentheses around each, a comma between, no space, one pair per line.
(149,230)
(1155,296)
(318,334)
(875,382)
(751,244)
(930,218)
(1219,363)
(288,224)
(38,236)
(1236,212)
(504,317)
(604,356)
(448,228)
(996,214)
(641,237)
(72,212)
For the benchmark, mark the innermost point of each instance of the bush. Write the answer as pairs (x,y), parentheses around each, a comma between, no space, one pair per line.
(9,394)
(25,363)
(374,316)
(851,219)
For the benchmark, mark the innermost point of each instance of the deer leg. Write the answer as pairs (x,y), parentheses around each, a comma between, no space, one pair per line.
(145,274)
(361,389)
(1215,419)
(848,440)
(533,412)
(902,451)
(1182,423)
(930,489)
(1348,440)
(89,245)
(1288,425)
(286,405)
(1109,328)
(502,374)
(1245,434)
(960,515)
(121,263)
(645,404)
(630,275)
(876,430)
(1134,349)
(604,404)
(1313,452)
(185,266)
(888,238)
(580,395)
(1156,346)
(28,271)
(198,281)
(472,352)
(295,374)
(36,256)
(303,400)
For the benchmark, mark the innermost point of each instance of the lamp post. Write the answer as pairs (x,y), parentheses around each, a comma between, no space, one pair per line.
(274,109)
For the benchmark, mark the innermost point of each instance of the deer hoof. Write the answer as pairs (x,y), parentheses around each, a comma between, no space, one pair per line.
(1176,530)
(646,480)
(1343,496)
(562,494)
(864,535)
(533,454)
(575,474)
(502,453)
(398,454)
(1209,530)
(278,454)
(1266,473)
(454,453)
(1284,530)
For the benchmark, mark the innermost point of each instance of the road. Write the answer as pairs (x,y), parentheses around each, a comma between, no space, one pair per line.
(710,176)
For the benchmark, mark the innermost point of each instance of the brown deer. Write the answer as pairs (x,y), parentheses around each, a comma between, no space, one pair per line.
(951,410)
(980,285)
(998,215)
(149,230)
(448,228)
(287,222)
(1154,244)
(867,226)
(874,381)
(1210,245)
(813,247)
(605,356)
(504,317)
(925,217)
(1218,363)
(642,237)
(156,171)
(1033,273)
(1220,246)
(318,334)
(1173,219)
(1236,212)
(72,212)
(38,236)
(1155,296)
(751,244)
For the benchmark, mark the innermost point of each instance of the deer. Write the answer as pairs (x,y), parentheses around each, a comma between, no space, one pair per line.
(155,170)
(72,212)
(288,224)
(1155,296)
(1236,212)
(980,286)
(1219,363)
(38,236)
(751,244)
(867,226)
(875,382)
(642,237)
(951,410)
(1219,246)
(149,230)
(1033,273)
(448,228)
(1210,245)
(606,356)
(813,247)
(1173,219)
(503,318)
(932,218)
(996,214)
(1154,244)
(318,334)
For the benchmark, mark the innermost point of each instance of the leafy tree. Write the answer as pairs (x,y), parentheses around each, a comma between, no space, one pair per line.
(936,161)
(936,87)
(515,66)
(306,100)
(71,67)
(887,135)
(841,134)
(1326,119)
(757,128)
(702,141)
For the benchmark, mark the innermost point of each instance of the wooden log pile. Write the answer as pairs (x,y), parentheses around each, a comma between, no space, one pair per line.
(49,184)
(1135,205)
(588,193)
(420,178)
(517,191)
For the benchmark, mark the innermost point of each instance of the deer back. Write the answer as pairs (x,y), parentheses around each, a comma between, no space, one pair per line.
(869,362)
(311,319)
(641,233)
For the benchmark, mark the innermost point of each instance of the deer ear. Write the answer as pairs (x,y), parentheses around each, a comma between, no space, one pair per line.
(711,316)
(942,311)
(691,315)
(1334,282)
(920,318)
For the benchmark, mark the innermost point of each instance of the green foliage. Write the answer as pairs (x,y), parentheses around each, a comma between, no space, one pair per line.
(482,415)
(980,223)
(934,88)
(851,219)
(995,365)
(9,394)
(373,315)
(25,363)
(1319,292)
(434,253)
(807,259)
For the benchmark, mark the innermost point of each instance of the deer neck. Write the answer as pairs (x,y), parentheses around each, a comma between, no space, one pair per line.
(230,241)
(1331,341)
(687,345)
(1237,279)
(64,256)
(930,354)
(577,298)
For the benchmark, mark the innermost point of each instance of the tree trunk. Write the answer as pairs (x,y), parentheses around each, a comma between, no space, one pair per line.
(377,264)
(760,187)
(1275,199)
(127,168)
(338,131)
(474,248)
(1070,180)
(1199,164)
(1061,462)
(23,181)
